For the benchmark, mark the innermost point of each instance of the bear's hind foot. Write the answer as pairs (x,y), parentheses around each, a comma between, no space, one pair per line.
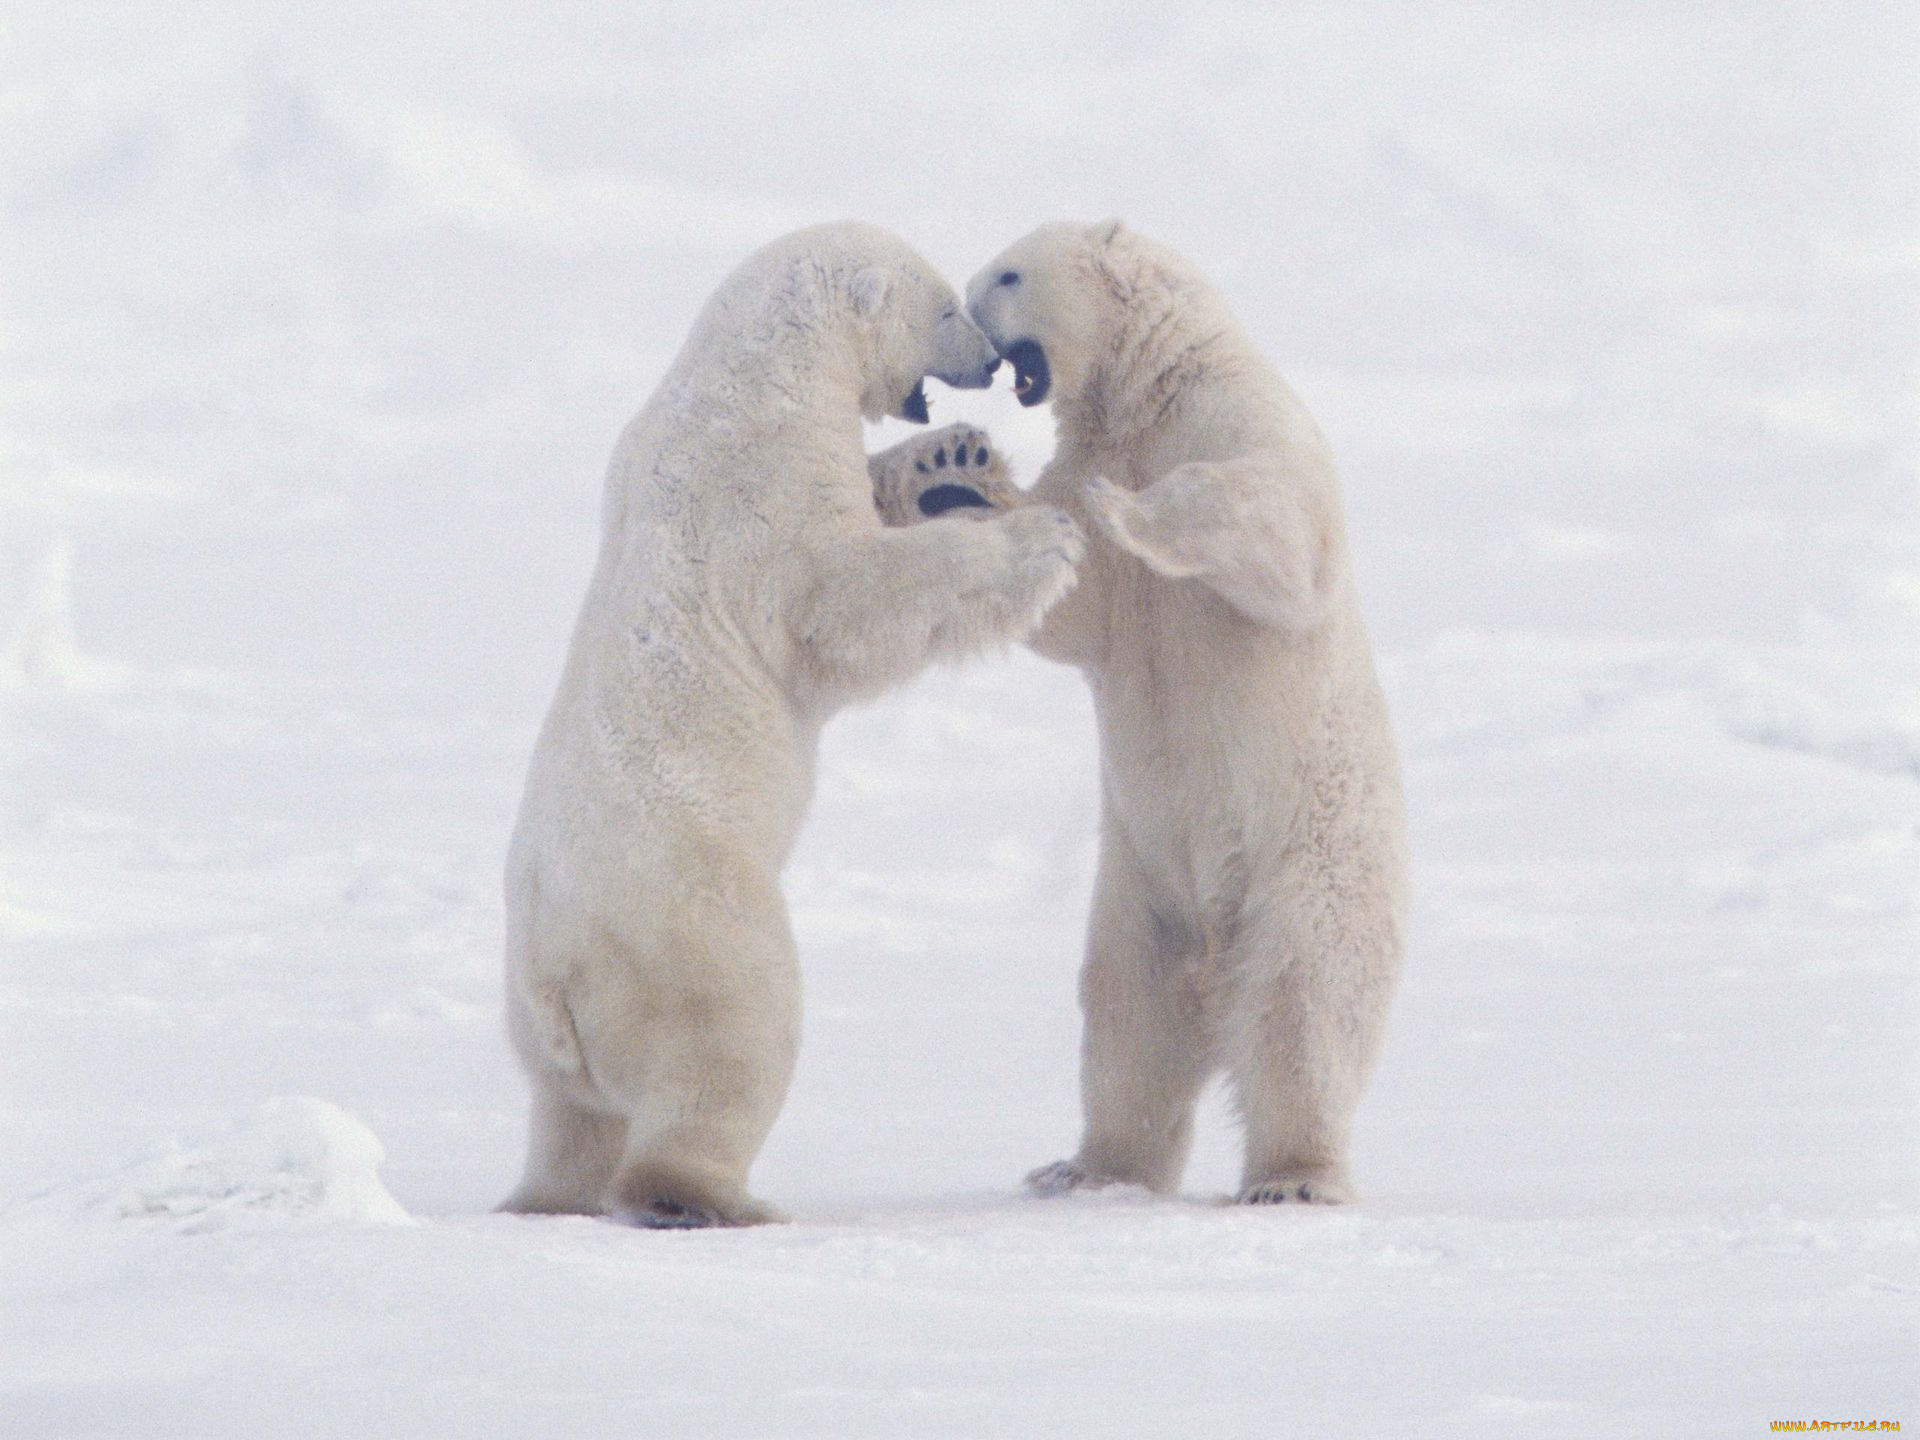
(661,1213)
(539,1202)
(667,1215)
(1064,1176)
(1318,1188)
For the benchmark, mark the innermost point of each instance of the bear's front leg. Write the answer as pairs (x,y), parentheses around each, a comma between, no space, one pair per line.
(1171,535)
(951,471)
(886,603)
(1237,527)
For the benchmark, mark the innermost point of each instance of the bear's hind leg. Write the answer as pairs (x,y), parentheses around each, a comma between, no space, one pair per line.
(708,1072)
(1145,1052)
(571,1154)
(691,1172)
(1296,1085)
(1309,1026)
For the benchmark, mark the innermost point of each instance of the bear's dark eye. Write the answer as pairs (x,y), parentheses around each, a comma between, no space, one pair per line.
(1011,277)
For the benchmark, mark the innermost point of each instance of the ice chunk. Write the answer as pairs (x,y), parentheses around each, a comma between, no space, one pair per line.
(292,1158)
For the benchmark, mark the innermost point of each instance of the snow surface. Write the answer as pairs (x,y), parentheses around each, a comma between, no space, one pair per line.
(316,326)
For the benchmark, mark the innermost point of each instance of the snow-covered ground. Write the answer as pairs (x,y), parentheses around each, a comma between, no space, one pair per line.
(316,325)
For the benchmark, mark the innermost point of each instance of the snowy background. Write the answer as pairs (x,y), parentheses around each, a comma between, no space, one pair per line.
(316,327)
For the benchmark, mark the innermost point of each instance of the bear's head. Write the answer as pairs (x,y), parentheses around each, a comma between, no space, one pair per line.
(1040,302)
(910,325)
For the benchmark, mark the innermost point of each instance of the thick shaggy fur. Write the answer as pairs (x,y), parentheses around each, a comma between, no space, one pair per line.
(1250,903)
(745,590)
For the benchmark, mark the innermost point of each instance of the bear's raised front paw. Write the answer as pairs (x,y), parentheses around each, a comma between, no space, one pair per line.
(1317,1189)
(1063,1176)
(960,446)
(954,470)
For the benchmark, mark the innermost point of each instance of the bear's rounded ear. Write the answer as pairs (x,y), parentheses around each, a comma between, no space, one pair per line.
(1104,232)
(869,292)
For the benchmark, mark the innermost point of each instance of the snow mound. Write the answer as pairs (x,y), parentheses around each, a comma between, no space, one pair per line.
(292,1158)
(44,651)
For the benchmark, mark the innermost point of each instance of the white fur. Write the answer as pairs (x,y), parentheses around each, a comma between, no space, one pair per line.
(745,590)
(1249,910)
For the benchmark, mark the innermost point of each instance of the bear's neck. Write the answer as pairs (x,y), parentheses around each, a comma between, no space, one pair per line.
(772,376)
(1167,351)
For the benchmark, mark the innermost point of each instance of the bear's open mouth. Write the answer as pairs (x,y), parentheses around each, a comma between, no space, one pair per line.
(1031,376)
(914,407)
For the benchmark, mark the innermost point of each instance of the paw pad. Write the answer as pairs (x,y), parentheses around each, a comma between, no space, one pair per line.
(938,499)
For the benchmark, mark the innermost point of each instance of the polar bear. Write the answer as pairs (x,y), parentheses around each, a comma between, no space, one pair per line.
(745,590)
(1250,904)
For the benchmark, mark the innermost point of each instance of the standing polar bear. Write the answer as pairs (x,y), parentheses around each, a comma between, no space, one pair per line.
(745,590)
(1249,909)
